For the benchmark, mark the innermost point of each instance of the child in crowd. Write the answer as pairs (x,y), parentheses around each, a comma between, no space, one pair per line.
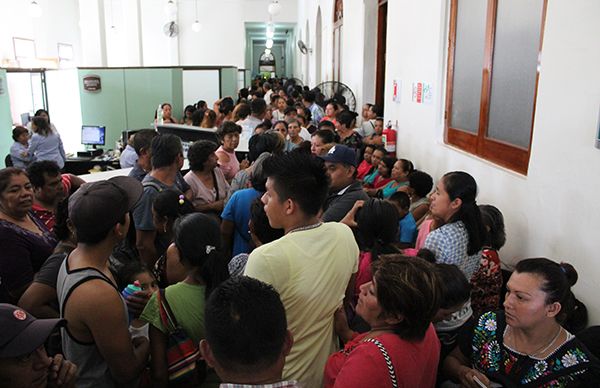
(136,273)
(365,166)
(487,280)
(407,228)
(419,186)
(167,207)
(260,233)
(374,223)
(455,294)
(19,152)
(279,113)
(200,254)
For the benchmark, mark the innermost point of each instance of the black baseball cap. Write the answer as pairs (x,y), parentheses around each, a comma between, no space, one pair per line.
(21,332)
(96,207)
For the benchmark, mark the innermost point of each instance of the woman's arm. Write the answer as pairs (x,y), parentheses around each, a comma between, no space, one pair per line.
(61,148)
(158,357)
(456,366)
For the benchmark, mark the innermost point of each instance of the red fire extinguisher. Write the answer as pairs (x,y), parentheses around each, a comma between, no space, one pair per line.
(389,138)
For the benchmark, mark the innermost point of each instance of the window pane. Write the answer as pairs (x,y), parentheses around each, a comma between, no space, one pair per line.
(468,64)
(517,42)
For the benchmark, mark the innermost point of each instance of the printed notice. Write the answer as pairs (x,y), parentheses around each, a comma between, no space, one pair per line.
(422,93)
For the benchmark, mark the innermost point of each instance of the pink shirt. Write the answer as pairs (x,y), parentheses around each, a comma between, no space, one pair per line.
(230,168)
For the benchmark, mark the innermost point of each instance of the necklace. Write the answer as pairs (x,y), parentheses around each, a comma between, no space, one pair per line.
(543,349)
(307,227)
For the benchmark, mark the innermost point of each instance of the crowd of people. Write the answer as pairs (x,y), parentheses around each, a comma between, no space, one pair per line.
(317,259)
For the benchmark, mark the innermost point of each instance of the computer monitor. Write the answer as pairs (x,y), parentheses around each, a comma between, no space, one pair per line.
(93,135)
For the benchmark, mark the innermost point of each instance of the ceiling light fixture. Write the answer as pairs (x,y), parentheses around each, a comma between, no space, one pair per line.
(267,51)
(35,10)
(274,8)
(269,43)
(171,8)
(196,26)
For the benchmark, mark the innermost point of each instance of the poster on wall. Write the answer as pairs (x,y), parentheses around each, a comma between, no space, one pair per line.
(91,83)
(396,88)
(422,93)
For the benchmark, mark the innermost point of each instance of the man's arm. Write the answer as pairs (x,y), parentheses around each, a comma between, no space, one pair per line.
(106,322)
(37,300)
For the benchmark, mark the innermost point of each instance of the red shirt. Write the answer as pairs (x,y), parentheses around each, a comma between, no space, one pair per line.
(380,182)
(363,169)
(44,215)
(361,364)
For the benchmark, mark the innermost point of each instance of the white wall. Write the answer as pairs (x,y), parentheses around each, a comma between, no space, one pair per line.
(58,24)
(358,45)
(553,211)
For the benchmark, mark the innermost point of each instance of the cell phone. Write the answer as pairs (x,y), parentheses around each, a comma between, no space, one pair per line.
(475,379)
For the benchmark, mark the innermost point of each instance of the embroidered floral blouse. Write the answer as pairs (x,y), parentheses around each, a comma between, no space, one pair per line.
(570,365)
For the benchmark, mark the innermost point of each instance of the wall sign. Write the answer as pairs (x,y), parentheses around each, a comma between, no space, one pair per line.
(396,88)
(422,93)
(91,83)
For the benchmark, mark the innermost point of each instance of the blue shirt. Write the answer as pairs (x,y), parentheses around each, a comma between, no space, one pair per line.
(19,155)
(407,229)
(237,210)
(128,157)
(48,147)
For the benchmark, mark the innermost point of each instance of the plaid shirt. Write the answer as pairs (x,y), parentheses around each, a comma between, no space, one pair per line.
(281,384)
(450,244)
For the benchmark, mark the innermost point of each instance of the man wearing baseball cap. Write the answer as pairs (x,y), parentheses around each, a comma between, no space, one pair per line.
(23,359)
(97,337)
(344,189)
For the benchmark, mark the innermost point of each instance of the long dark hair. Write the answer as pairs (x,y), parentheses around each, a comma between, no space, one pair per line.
(459,184)
(198,239)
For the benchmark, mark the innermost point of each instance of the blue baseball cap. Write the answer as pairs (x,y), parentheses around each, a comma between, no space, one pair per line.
(340,154)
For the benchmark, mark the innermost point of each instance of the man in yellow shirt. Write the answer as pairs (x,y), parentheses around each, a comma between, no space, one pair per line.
(311,266)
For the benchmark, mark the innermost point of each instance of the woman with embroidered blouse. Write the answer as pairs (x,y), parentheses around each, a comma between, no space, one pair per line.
(401,349)
(525,345)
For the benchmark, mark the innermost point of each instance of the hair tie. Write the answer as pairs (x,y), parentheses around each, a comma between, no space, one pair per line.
(181,199)
(562,268)
(209,249)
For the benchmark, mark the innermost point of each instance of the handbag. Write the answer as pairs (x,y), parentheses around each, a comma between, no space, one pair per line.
(184,366)
(388,361)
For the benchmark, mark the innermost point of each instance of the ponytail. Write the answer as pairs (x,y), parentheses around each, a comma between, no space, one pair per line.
(198,239)
(459,184)
(214,270)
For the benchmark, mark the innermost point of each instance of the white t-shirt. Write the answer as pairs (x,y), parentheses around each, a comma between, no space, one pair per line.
(310,269)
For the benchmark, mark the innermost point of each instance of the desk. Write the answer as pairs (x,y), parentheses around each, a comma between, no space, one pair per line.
(103,175)
(79,166)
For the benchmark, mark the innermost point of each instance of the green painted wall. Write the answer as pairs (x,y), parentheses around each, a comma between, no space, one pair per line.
(5,119)
(229,82)
(129,98)
(106,107)
(145,89)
